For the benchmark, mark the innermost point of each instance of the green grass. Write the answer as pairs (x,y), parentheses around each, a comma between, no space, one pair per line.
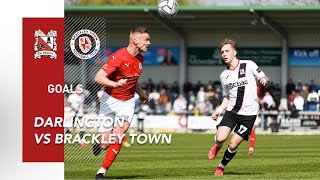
(275,157)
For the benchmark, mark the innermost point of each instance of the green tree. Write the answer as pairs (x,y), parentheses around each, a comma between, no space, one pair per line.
(303,2)
(284,2)
(127,2)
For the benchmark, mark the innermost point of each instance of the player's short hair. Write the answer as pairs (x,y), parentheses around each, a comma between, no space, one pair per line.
(139,29)
(232,42)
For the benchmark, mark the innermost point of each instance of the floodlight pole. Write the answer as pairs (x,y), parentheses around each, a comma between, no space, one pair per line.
(284,41)
(183,46)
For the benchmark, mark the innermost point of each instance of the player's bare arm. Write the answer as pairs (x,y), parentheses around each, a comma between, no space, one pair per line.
(143,96)
(102,78)
(222,107)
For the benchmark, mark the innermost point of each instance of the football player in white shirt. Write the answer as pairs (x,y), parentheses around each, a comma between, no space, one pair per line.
(241,102)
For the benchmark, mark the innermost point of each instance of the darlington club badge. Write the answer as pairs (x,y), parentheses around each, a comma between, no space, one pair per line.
(85,44)
(45,44)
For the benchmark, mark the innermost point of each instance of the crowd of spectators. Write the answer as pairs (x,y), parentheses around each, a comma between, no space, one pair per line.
(203,98)
(196,98)
(303,97)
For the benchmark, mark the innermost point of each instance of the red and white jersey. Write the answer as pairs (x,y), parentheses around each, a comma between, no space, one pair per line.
(240,84)
(122,65)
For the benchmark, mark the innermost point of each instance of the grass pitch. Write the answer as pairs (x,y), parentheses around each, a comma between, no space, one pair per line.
(275,157)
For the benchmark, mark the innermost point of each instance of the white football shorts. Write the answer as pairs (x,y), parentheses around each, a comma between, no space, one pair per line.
(115,109)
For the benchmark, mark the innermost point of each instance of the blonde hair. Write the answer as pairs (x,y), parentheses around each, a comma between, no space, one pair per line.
(233,43)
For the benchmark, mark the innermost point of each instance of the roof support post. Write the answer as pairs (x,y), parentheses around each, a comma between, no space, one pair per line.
(183,46)
(284,42)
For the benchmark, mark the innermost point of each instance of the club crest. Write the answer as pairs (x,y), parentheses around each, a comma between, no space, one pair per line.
(242,72)
(85,44)
(45,44)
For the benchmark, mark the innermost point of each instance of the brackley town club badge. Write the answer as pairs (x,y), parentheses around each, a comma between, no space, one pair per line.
(85,44)
(45,44)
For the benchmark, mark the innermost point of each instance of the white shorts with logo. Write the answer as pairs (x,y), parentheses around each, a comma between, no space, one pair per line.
(116,109)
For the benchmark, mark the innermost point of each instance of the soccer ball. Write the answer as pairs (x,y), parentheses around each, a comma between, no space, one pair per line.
(167,8)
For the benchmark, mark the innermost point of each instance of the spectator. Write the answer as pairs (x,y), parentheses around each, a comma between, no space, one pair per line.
(180,104)
(268,104)
(196,111)
(290,87)
(276,93)
(191,100)
(142,113)
(268,100)
(216,84)
(304,94)
(210,93)
(208,107)
(154,97)
(291,97)
(191,107)
(298,102)
(198,86)
(313,100)
(219,92)
(201,98)
(210,82)
(312,86)
(216,100)
(299,86)
(273,107)
(163,101)
(149,86)
(201,95)
(169,59)
(162,85)
(187,87)
(319,95)
(174,92)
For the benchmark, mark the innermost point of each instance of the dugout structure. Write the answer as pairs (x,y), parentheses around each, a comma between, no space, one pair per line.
(287,39)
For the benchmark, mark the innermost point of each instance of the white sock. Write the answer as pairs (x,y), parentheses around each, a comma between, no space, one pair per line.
(233,150)
(102,170)
(221,165)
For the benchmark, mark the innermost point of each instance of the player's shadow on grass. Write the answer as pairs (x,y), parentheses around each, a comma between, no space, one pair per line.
(125,177)
(242,173)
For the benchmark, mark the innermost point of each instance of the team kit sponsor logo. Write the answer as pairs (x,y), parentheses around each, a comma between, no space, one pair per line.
(45,44)
(237,84)
(85,44)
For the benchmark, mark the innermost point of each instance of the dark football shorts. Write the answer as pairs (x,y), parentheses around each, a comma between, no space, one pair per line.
(241,124)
